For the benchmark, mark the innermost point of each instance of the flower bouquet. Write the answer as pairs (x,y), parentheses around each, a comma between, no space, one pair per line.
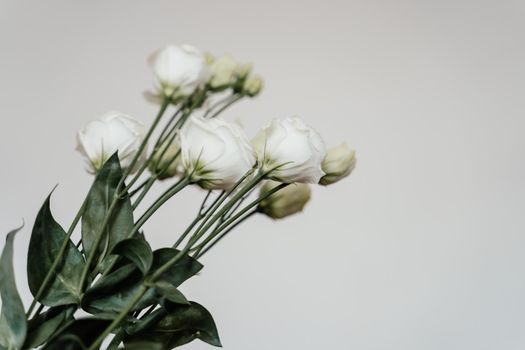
(111,288)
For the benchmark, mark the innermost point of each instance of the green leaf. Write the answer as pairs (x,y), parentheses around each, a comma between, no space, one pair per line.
(136,250)
(181,326)
(143,345)
(13,322)
(99,200)
(168,291)
(146,322)
(179,272)
(113,292)
(44,246)
(78,335)
(43,327)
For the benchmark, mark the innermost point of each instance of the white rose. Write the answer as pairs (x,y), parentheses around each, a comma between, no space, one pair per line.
(338,164)
(286,201)
(215,152)
(294,148)
(179,68)
(111,132)
(223,71)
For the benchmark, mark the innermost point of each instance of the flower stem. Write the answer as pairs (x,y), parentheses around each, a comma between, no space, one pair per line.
(116,322)
(141,149)
(149,183)
(200,251)
(232,220)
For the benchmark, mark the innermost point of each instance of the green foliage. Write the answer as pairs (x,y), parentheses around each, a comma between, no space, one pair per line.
(168,291)
(180,326)
(180,271)
(46,240)
(43,327)
(13,323)
(98,203)
(113,292)
(78,335)
(136,250)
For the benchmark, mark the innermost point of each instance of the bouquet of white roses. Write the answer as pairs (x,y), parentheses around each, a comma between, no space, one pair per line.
(111,287)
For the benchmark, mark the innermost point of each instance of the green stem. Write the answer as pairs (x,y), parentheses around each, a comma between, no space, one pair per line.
(144,191)
(241,192)
(159,202)
(233,100)
(141,149)
(198,253)
(98,239)
(202,213)
(116,322)
(58,258)
(230,221)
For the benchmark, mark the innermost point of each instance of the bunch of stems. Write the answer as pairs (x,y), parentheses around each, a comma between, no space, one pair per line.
(211,224)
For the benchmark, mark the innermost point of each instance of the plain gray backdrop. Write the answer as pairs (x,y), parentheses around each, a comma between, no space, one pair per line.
(421,248)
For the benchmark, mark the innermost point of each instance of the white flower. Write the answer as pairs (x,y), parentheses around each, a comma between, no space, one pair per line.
(294,148)
(223,71)
(284,202)
(338,164)
(216,153)
(111,132)
(179,68)
(166,161)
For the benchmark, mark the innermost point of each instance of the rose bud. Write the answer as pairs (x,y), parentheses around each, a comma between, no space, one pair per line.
(253,85)
(287,201)
(166,161)
(339,163)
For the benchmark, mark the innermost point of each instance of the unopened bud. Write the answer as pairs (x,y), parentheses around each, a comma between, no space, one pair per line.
(287,201)
(166,161)
(338,164)
(253,85)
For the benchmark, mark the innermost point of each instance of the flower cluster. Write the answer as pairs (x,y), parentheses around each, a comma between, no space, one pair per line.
(112,273)
(213,152)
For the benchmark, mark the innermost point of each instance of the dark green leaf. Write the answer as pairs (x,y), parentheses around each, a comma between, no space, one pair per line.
(180,327)
(78,335)
(143,345)
(136,250)
(168,291)
(179,272)
(13,323)
(113,292)
(42,327)
(146,322)
(46,241)
(99,200)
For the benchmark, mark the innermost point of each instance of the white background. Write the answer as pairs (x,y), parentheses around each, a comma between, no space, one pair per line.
(422,248)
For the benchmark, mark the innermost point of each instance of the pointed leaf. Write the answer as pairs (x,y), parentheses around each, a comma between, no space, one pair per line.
(181,326)
(168,291)
(42,327)
(179,272)
(136,250)
(78,335)
(113,292)
(98,203)
(143,345)
(46,241)
(13,322)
